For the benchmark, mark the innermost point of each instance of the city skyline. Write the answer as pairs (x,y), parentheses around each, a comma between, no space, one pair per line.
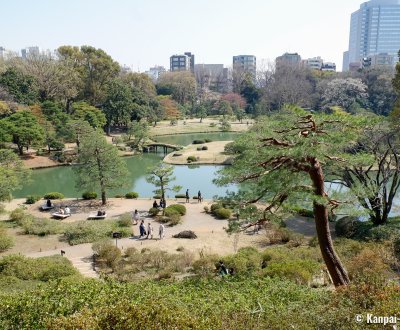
(144,34)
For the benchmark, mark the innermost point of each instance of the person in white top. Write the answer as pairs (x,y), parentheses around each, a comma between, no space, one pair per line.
(67,210)
(135,217)
(161,231)
(149,230)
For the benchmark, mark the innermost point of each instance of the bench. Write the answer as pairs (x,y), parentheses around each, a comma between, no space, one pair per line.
(94,216)
(60,215)
(45,207)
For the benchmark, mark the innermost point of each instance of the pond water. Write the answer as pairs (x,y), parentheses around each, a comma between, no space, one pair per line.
(194,178)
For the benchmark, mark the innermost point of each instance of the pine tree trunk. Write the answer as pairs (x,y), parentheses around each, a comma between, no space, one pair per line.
(103,198)
(335,267)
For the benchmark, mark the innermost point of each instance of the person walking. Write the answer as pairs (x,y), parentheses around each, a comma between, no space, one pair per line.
(142,229)
(161,231)
(149,231)
(135,217)
(199,197)
(187,196)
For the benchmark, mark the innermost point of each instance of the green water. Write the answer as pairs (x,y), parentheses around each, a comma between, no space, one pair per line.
(194,178)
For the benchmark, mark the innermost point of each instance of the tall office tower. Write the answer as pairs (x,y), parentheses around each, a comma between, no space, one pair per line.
(247,63)
(182,62)
(374,29)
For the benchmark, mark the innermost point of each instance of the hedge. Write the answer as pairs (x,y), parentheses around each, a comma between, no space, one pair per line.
(223,213)
(154,211)
(199,142)
(132,195)
(32,199)
(88,195)
(180,196)
(53,195)
(181,209)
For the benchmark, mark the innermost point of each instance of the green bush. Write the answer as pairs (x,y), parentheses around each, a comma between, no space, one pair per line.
(207,140)
(132,195)
(300,271)
(346,226)
(107,252)
(223,213)
(53,195)
(41,269)
(245,261)
(169,212)
(125,220)
(90,231)
(191,159)
(19,216)
(204,148)
(119,196)
(154,211)
(213,124)
(181,209)
(6,241)
(174,219)
(180,196)
(157,197)
(89,195)
(198,142)
(381,233)
(199,148)
(215,207)
(32,199)
(42,227)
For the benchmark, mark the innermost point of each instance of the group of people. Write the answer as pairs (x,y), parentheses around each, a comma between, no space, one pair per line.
(199,196)
(150,231)
(64,210)
(163,204)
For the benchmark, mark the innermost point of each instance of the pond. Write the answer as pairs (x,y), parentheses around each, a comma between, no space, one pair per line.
(194,178)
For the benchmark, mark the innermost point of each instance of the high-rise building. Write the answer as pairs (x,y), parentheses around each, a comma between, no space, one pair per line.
(289,58)
(155,72)
(183,62)
(34,50)
(315,63)
(374,29)
(247,63)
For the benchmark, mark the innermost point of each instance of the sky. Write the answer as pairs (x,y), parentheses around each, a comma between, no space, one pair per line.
(143,33)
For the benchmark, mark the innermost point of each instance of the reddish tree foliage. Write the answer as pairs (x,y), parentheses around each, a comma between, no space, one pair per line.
(233,98)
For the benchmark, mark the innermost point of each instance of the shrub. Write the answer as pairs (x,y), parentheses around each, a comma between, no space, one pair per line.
(125,220)
(42,227)
(223,213)
(381,233)
(169,212)
(6,241)
(107,252)
(191,159)
(119,196)
(346,227)
(213,124)
(300,271)
(205,266)
(154,211)
(42,269)
(199,149)
(207,140)
(396,248)
(132,195)
(215,206)
(89,195)
(20,216)
(180,196)
(90,231)
(198,142)
(246,260)
(181,209)
(53,195)
(157,197)
(180,248)
(204,148)
(32,199)
(174,219)
(206,209)
(176,154)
